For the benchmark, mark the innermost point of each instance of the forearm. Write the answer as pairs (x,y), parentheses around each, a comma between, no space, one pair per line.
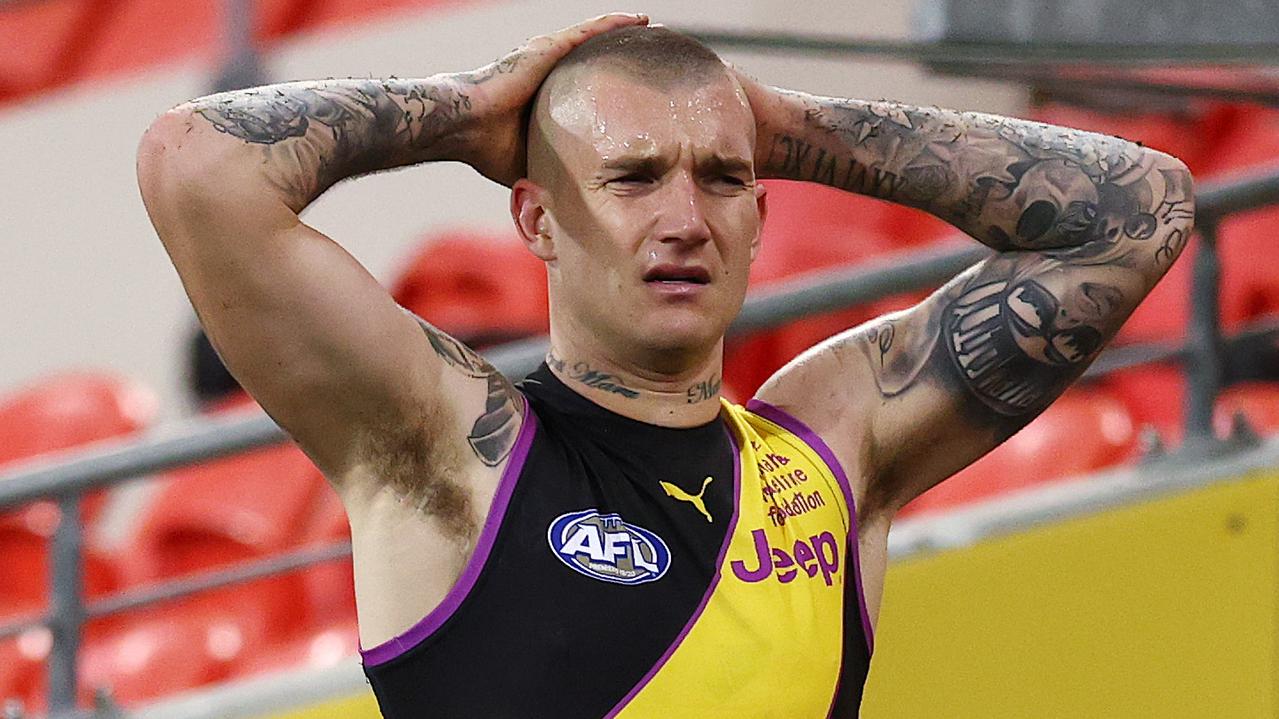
(1011,184)
(297,139)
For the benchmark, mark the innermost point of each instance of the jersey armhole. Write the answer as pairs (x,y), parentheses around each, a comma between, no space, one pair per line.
(795,426)
(415,635)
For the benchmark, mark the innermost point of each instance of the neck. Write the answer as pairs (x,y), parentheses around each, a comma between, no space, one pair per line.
(685,397)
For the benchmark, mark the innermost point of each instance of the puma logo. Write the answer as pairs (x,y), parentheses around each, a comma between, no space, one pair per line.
(694,499)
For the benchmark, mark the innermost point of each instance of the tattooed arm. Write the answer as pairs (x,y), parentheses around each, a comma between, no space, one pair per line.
(1084,225)
(312,336)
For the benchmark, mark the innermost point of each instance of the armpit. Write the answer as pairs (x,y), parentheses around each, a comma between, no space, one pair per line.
(426,469)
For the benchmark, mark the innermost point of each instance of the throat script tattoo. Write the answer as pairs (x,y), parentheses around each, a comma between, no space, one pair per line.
(585,374)
(704,390)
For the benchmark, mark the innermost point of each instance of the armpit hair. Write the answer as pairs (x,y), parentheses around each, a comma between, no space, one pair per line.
(425,466)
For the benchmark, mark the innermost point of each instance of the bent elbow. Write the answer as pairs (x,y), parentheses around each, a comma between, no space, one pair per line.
(1178,202)
(1172,208)
(1178,180)
(153,153)
(169,158)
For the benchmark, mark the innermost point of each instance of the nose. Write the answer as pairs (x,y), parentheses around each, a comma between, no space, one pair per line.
(683,219)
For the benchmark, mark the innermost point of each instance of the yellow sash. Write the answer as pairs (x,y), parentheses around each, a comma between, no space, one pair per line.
(768,639)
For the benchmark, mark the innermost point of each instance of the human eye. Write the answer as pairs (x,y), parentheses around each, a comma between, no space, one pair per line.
(632,178)
(726,182)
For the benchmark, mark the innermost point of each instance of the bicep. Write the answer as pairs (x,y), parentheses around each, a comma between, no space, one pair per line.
(304,327)
(982,357)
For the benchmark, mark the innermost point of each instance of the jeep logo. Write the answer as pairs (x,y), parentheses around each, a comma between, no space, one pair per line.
(819,554)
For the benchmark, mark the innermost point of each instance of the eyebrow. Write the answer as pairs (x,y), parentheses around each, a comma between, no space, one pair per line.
(719,163)
(653,164)
(635,163)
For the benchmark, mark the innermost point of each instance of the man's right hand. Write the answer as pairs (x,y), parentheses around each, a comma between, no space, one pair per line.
(500,92)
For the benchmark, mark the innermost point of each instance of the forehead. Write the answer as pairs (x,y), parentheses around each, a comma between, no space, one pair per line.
(611,116)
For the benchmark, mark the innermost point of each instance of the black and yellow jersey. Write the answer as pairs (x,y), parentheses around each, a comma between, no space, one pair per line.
(630,570)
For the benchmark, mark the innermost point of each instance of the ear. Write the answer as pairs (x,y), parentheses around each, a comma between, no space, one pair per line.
(531,218)
(761,203)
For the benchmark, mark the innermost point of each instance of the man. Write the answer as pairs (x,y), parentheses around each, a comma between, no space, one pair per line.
(609,538)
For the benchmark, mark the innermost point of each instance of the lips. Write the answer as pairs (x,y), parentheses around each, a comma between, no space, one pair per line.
(678,274)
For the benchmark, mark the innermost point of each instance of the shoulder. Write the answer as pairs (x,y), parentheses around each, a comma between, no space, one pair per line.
(819,398)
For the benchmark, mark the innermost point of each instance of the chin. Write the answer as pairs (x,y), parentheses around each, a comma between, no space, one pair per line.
(682,333)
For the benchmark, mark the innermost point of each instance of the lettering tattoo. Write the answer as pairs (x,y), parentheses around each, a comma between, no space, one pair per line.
(493,434)
(314,134)
(704,390)
(591,377)
(881,336)
(1172,246)
(800,160)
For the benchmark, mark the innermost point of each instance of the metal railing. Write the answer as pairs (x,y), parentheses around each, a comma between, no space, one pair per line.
(66,477)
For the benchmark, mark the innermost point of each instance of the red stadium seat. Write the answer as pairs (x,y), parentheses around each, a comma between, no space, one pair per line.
(809,228)
(1248,139)
(800,204)
(1155,396)
(218,514)
(482,290)
(1084,430)
(239,507)
(1257,401)
(24,561)
(317,649)
(22,661)
(831,249)
(910,228)
(1249,257)
(55,414)
(329,588)
(71,410)
(1250,284)
(165,652)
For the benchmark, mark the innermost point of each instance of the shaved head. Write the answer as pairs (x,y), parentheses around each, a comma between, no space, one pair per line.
(656,57)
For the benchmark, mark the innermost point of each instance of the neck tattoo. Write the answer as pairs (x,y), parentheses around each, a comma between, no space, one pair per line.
(704,390)
(591,377)
(584,373)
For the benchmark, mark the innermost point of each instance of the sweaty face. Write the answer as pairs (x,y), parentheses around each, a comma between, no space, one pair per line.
(652,202)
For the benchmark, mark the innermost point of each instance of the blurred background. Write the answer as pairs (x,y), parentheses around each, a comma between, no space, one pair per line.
(1119,557)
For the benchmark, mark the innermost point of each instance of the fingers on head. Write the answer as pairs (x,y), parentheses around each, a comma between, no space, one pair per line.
(610,21)
(558,44)
(577,34)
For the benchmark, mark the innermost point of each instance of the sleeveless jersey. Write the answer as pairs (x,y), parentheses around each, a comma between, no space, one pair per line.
(631,570)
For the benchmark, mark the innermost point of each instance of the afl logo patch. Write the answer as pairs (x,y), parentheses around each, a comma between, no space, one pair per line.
(604,547)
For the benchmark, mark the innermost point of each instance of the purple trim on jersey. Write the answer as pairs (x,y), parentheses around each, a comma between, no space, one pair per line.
(394,647)
(799,429)
(706,598)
